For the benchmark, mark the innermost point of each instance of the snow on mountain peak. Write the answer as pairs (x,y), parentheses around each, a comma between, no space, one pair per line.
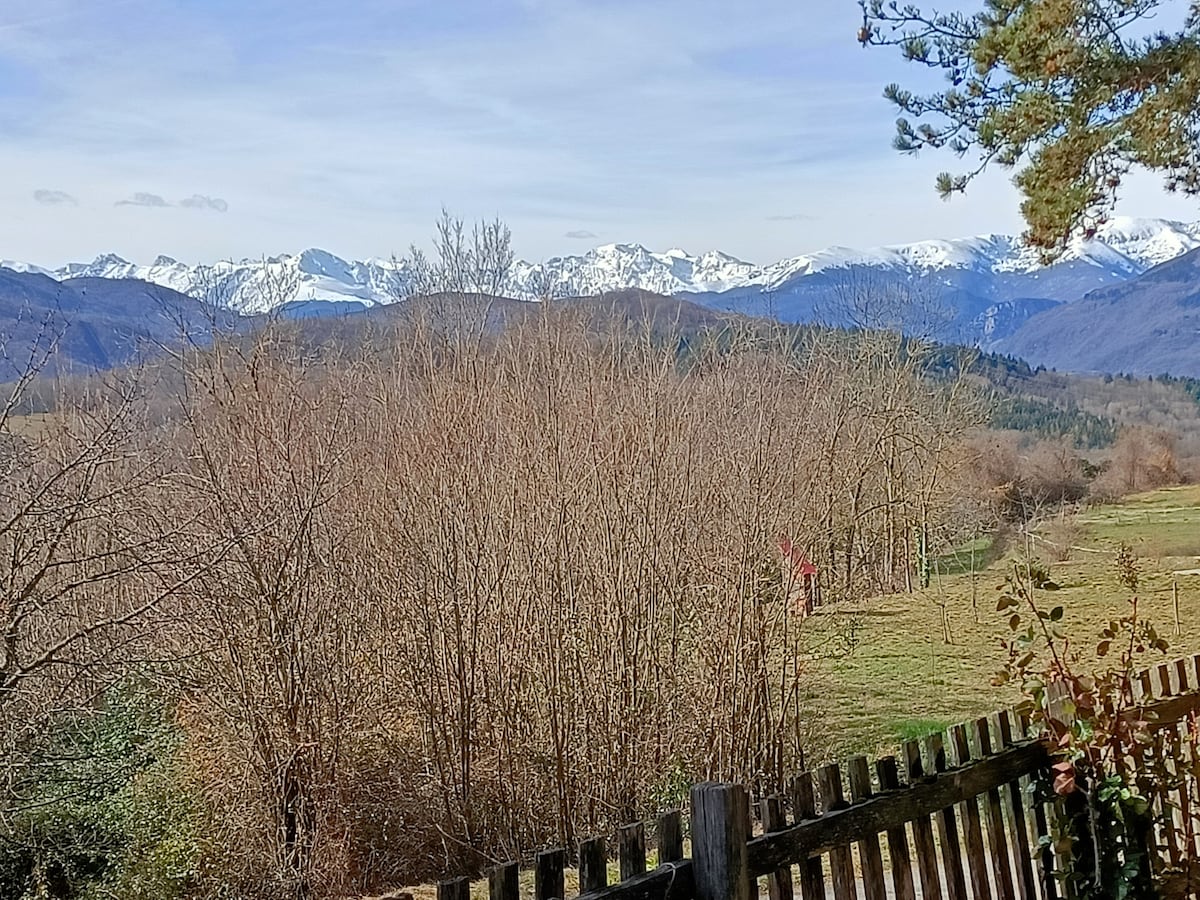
(1123,246)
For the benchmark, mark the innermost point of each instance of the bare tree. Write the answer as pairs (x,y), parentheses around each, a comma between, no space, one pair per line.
(90,564)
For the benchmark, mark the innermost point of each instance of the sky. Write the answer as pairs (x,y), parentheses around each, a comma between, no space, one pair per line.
(209,129)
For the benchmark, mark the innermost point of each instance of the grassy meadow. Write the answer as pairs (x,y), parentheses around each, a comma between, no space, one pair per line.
(903,679)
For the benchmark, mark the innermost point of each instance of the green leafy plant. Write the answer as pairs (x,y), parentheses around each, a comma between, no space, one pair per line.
(99,808)
(1101,797)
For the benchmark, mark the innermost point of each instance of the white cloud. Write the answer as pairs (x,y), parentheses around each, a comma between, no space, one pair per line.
(199,201)
(142,198)
(54,198)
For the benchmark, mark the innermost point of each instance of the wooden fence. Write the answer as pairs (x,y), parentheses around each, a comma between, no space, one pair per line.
(951,816)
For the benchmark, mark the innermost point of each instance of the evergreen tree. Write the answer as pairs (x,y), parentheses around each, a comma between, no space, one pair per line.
(1074,92)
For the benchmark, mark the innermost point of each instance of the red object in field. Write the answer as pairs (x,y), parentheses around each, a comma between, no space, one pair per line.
(801,566)
(802,582)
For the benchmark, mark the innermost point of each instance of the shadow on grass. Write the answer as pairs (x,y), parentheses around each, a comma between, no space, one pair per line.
(977,555)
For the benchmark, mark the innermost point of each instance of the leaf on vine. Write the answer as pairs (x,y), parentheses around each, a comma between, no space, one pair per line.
(1064,778)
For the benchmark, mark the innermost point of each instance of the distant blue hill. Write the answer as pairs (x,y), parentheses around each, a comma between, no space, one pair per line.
(90,324)
(1149,325)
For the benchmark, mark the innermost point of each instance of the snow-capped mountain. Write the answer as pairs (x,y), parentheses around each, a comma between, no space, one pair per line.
(989,267)
(250,285)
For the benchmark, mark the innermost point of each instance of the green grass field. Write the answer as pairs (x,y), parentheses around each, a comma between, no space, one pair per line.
(903,679)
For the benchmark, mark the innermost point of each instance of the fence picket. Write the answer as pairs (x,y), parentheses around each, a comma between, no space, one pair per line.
(1048,882)
(779,882)
(670,836)
(593,865)
(981,888)
(897,838)
(868,848)
(1022,853)
(841,860)
(952,861)
(631,850)
(931,883)
(504,882)
(454,889)
(549,882)
(1184,764)
(804,807)
(1165,750)
(997,835)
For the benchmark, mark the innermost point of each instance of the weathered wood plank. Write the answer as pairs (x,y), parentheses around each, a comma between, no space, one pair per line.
(504,882)
(720,817)
(1047,882)
(922,826)
(1002,728)
(869,851)
(997,832)
(672,881)
(1165,712)
(779,882)
(897,838)
(976,855)
(841,860)
(631,850)
(548,875)
(804,808)
(948,832)
(454,889)
(593,865)
(1166,739)
(1182,682)
(670,836)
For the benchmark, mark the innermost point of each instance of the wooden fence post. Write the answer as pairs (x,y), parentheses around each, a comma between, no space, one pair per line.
(504,883)
(670,837)
(631,850)
(720,813)
(548,876)
(593,865)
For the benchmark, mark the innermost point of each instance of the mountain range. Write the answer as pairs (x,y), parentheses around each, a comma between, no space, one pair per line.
(969,275)
(989,291)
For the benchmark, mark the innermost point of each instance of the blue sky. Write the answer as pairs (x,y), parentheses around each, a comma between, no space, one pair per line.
(214,128)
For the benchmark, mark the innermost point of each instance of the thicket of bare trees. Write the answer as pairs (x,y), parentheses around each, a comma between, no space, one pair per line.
(466,591)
